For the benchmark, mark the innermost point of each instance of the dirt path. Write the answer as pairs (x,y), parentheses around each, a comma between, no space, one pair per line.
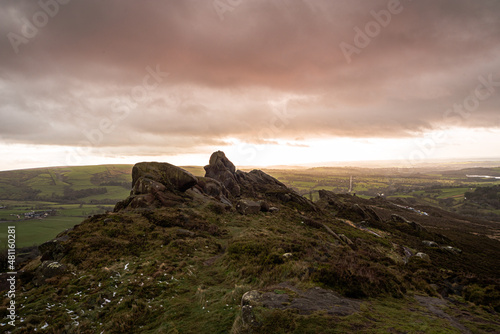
(432,304)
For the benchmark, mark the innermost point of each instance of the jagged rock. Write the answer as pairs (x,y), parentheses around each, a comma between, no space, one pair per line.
(48,269)
(223,170)
(452,250)
(172,177)
(417,226)
(226,201)
(423,256)
(147,186)
(255,184)
(250,298)
(156,184)
(212,187)
(399,219)
(429,243)
(53,249)
(247,207)
(274,209)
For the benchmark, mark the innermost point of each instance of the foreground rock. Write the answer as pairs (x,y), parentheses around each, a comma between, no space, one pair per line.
(285,296)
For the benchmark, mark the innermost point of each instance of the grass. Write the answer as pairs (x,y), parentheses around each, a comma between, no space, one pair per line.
(35,231)
(132,272)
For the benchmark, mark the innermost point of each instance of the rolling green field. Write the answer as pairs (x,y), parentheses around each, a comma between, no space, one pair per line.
(78,192)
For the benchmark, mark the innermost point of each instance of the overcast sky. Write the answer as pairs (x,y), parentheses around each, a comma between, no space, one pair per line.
(269,82)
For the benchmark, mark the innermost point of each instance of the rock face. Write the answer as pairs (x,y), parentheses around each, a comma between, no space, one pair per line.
(247,207)
(164,174)
(255,184)
(53,249)
(157,184)
(223,170)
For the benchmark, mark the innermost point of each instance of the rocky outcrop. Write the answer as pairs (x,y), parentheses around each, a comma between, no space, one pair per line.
(342,203)
(164,174)
(156,184)
(54,249)
(400,219)
(223,170)
(247,207)
(255,184)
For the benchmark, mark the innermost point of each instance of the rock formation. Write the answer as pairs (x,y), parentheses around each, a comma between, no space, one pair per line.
(156,184)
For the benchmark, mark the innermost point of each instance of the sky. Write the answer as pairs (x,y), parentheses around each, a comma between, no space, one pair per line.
(272,82)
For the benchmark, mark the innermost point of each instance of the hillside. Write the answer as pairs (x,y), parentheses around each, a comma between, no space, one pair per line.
(240,252)
(71,194)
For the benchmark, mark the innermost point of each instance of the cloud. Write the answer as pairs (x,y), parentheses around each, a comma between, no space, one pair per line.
(225,75)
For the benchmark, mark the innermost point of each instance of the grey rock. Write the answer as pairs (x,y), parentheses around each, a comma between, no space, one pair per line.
(48,269)
(223,170)
(247,207)
(429,243)
(172,177)
(423,256)
(452,250)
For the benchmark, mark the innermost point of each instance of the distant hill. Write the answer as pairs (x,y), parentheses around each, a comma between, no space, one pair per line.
(102,184)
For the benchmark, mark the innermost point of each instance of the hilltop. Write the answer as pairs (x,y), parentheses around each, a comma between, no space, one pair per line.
(241,252)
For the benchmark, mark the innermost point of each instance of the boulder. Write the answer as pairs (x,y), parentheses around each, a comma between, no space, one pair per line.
(53,249)
(423,256)
(274,209)
(247,207)
(212,187)
(172,177)
(452,250)
(156,184)
(147,186)
(400,219)
(429,243)
(223,170)
(48,269)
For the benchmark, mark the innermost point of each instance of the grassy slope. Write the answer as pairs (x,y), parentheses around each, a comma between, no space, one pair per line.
(134,273)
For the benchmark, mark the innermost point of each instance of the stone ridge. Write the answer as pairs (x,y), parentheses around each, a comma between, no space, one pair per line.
(157,184)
